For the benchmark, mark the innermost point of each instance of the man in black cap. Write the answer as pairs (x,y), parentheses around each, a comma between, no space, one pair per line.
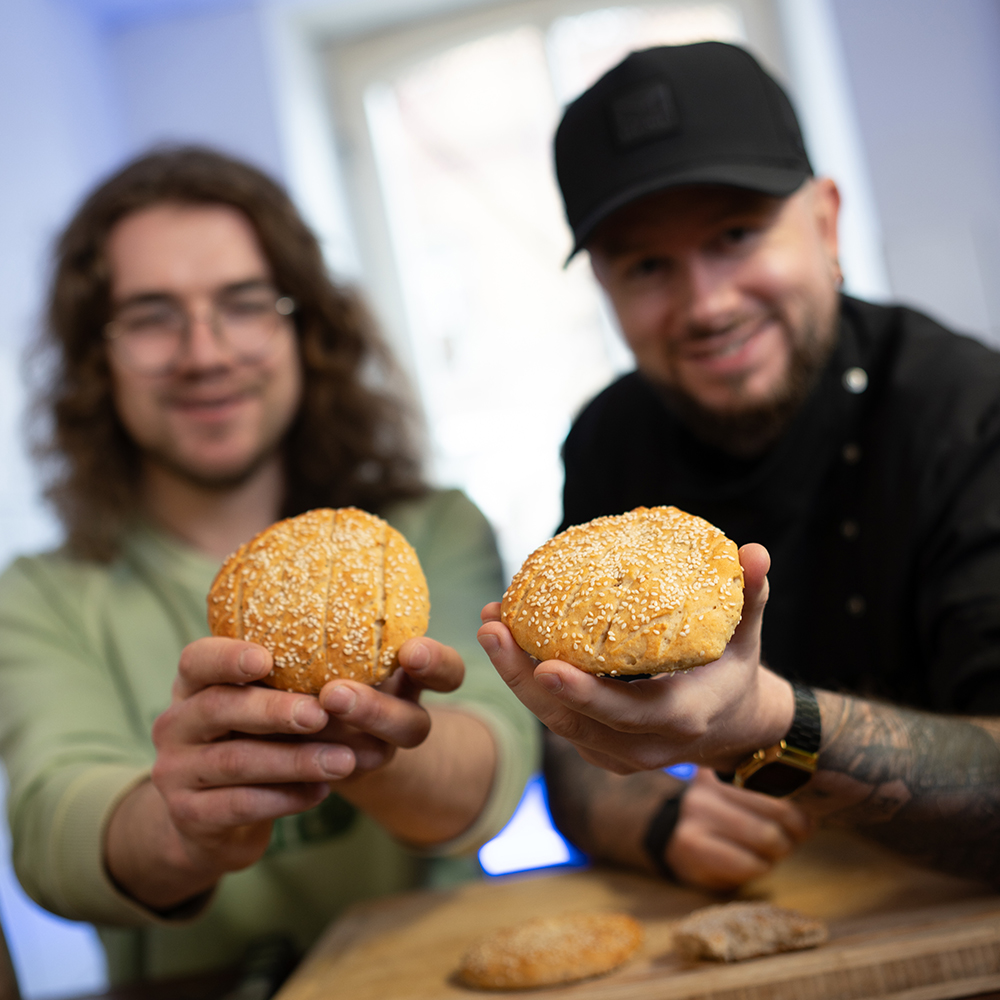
(860,444)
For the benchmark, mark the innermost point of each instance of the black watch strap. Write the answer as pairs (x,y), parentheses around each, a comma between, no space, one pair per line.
(660,830)
(782,769)
(806,730)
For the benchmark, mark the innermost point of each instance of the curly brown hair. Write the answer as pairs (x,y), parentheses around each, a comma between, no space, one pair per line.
(351,441)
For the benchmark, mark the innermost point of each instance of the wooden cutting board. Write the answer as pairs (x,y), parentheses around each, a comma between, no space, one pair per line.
(895,932)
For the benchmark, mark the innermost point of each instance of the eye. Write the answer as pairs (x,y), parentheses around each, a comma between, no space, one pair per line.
(247,306)
(148,318)
(646,267)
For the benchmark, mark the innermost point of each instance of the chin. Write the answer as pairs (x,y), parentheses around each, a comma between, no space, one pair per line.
(223,471)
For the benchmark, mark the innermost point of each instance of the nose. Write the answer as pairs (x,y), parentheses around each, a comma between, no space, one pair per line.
(202,348)
(712,294)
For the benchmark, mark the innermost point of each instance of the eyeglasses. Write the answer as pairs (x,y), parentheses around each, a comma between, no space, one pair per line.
(147,336)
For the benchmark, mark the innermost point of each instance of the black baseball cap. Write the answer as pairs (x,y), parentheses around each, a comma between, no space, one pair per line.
(674,115)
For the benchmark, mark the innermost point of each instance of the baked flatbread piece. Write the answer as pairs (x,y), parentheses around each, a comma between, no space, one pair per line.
(731,932)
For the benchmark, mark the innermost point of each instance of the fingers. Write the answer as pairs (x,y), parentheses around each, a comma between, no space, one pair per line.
(233,807)
(795,824)
(726,836)
(397,721)
(253,762)
(719,816)
(711,862)
(491,612)
(213,712)
(215,660)
(431,664)
(517,669)
(643,706)
(531,684)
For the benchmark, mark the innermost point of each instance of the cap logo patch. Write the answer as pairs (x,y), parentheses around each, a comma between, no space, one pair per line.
(644,114)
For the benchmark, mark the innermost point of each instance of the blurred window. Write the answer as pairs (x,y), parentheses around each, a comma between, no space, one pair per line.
(446,132)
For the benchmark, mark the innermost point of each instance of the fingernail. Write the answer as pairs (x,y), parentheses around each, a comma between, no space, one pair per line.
(551,682)
(336,762)
(306,714)
(252,661)
(340,700)
(419,656)
(489,642)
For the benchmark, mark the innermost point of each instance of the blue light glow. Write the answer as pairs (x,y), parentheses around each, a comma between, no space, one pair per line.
(529,840)
(683,771)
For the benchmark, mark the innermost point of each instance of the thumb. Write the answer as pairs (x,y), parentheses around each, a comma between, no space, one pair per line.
(756,562)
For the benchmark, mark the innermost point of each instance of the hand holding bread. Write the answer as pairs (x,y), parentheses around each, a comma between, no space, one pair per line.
(239,746)
(713,714)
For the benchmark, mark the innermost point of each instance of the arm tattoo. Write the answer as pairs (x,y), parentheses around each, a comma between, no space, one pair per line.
(605,815)
(928,786)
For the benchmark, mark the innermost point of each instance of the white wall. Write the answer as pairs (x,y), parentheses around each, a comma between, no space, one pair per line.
(926,80)
(58,133)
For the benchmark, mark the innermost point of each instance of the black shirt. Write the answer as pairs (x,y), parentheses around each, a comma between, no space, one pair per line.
(880,508)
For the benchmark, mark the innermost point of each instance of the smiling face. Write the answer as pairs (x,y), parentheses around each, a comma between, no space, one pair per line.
(727,298)
(213,418)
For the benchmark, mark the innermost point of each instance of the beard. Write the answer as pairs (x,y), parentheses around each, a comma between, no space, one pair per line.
(747,432)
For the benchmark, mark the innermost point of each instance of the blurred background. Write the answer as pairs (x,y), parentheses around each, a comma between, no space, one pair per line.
(415,137)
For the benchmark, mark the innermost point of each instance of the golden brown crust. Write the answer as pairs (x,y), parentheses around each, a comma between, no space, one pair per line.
(331,593)
(730,932)
(551,950)
(645,592)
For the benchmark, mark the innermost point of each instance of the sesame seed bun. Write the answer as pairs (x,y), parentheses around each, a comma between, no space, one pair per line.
(550,950)
(646,592)
(331,593)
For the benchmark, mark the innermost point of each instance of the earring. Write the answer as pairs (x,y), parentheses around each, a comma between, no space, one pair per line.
(838,274)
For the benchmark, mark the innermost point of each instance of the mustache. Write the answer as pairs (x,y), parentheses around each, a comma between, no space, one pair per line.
(702,331)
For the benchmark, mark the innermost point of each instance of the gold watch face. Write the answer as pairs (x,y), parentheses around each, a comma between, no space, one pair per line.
(778,770)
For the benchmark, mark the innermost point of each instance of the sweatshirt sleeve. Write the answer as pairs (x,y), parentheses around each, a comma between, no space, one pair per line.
(70,743)
(458,554)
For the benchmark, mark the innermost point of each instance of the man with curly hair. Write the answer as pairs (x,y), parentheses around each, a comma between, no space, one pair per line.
(207,379)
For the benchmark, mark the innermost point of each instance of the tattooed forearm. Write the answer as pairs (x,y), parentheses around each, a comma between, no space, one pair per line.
(926,785)
(605,815)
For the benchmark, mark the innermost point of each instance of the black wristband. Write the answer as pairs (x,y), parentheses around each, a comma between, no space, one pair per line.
(807,730)
(660,830)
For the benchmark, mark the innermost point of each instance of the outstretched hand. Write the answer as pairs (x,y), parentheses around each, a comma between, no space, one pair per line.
(232,756)
(712,715)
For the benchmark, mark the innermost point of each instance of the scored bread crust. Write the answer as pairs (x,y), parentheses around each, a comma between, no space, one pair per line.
(550,950)
(331,593)
(730,932)
(645,592)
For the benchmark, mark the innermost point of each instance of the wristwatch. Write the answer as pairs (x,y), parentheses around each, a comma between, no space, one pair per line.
(782,769)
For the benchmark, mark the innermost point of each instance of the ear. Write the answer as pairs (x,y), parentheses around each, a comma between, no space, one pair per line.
(826,209)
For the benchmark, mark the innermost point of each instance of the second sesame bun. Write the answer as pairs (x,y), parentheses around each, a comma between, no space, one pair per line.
(646,592)
(330,593)
(548,951)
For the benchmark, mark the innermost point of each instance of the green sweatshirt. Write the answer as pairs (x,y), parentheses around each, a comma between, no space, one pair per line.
(88,653)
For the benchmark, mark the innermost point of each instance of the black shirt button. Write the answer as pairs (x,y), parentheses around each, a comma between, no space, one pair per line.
(851,453)
(849,529)
(855,380)
(855,605)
